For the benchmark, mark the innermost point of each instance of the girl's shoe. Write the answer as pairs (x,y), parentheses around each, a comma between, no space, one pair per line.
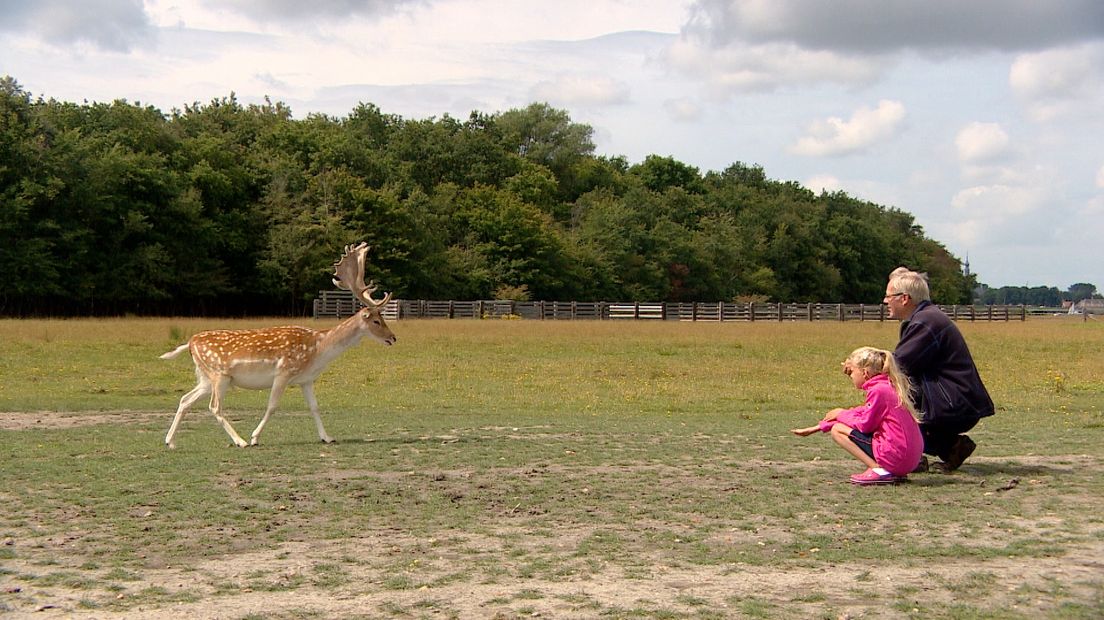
(871,477)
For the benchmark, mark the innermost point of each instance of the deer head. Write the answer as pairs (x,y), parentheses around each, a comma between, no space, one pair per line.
(349,275)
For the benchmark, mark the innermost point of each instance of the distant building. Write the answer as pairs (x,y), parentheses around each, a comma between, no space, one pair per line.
(1088,306)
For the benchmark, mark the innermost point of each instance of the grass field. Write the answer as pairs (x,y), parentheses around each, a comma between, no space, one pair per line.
(510,469)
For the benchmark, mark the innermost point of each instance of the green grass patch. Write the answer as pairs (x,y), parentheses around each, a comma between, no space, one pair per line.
(524,464)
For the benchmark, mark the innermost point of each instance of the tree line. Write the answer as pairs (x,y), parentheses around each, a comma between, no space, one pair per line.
(1047,296)
(223,208)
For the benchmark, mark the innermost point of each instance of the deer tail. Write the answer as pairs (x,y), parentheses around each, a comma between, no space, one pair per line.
(177,351)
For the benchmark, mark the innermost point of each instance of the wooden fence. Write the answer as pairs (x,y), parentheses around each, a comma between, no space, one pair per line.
(341,304)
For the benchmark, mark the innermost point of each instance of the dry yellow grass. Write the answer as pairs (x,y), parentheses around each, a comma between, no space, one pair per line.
(615,367)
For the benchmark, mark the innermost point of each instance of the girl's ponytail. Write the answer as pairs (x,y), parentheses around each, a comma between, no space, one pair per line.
(900,382)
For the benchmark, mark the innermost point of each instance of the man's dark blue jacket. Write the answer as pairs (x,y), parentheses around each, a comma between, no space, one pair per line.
(946,384)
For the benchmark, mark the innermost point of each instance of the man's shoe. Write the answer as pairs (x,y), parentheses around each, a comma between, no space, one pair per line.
(922,466)
(871,477)
(961,451)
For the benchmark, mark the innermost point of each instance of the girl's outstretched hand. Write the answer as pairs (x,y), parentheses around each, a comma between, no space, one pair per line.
(805,432)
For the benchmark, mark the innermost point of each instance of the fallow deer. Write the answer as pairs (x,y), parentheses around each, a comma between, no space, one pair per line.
(274,358)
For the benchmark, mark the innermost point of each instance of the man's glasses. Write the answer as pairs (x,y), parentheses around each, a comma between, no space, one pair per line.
(891,296)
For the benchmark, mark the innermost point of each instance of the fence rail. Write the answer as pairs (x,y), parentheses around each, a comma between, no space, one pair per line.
(342,304)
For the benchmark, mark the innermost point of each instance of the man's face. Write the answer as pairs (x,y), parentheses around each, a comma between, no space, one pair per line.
(898,303)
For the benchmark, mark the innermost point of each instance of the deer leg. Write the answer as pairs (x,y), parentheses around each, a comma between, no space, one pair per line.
(279,384)
(220,387)
(199,391)
(312,402)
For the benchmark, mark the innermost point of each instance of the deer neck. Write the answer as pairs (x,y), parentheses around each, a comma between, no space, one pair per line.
(344,335)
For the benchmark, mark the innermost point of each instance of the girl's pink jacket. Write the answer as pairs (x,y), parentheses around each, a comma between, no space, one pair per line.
(897,442)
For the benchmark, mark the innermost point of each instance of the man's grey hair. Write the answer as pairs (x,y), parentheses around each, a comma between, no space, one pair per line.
(911,283)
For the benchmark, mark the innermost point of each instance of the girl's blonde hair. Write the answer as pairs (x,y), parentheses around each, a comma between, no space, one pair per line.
(880,362)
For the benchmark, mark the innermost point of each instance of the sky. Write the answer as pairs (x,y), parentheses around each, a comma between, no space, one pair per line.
(983,119)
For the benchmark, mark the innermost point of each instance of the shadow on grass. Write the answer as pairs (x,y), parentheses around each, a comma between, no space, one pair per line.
(990,472)
(1012,468)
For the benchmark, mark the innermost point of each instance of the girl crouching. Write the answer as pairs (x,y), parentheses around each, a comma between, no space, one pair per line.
(882,432)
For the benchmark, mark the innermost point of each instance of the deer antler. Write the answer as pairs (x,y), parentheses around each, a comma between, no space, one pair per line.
(349,275)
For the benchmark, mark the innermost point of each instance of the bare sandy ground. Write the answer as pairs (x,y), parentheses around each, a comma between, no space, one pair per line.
(283,582)
(858,591)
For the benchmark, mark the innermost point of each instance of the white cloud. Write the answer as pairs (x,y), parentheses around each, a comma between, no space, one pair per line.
(823,183)
(981,142)
(999,218)
(111,25)
(968,233)
(1094,208)
(865,26)
(683,109)
(763,45)
(297,10)
(1060,82)
(734,69)
(580,90)
(998,201)
(865,128)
